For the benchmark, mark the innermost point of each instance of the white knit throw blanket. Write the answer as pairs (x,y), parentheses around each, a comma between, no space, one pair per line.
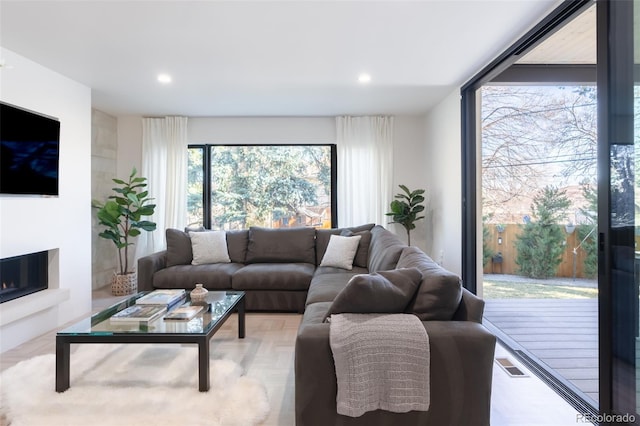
(382,362)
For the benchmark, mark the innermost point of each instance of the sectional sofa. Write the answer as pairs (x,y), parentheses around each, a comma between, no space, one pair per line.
(308,271)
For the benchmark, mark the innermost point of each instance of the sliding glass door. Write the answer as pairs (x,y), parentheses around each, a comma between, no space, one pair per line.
(617,235)
(618,211)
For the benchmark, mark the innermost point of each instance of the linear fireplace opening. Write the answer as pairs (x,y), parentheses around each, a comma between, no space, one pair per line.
(23,275)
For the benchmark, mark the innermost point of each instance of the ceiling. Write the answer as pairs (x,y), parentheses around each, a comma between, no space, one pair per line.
(266,58)
(574,43)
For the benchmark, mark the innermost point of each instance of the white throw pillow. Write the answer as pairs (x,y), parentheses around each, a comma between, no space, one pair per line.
(341,251)
(209,247)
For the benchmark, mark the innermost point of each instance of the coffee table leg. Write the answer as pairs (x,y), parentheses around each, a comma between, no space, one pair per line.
(63,353)
(203,366)
(241,319)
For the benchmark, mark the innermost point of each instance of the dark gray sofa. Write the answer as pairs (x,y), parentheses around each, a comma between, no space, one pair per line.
(274,267)
(280,270)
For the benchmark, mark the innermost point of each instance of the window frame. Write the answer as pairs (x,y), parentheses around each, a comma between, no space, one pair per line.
(206,174)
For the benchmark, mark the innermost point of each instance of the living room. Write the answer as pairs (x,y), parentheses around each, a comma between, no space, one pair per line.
(102,139)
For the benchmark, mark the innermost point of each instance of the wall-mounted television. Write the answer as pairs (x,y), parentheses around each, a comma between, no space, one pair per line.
(29,152)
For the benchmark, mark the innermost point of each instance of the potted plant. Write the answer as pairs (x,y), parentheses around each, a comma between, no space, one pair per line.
(405,209)
(122,215)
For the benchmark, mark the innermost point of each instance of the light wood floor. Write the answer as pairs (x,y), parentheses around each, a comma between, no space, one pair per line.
(267,354)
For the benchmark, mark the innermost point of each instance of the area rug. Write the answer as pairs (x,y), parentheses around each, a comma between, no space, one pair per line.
(124,385)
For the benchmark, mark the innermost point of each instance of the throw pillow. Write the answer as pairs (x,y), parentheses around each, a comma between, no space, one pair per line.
(323,236)
(384,250)
(340,252)
(440,292)
(178,247)
(209,247)
(380,292)
(362,255)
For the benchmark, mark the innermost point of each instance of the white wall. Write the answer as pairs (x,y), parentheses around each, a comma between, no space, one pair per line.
(29,224)
(410,167)
(443,163)
(238,130)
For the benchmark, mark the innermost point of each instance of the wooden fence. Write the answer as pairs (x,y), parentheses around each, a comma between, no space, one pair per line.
(505,243)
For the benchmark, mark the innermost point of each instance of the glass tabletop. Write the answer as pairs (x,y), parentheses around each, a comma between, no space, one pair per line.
(219,305)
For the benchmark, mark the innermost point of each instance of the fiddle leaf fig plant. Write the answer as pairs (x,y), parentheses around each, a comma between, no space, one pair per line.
(406,207)
(122,215)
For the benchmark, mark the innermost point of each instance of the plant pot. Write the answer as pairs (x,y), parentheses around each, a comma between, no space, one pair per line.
(122,285)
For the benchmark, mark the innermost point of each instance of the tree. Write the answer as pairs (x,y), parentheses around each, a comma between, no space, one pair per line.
(533,136)
(539,245)
(587,233)
(487,252)
(255,185)
(405,209)
(122,215)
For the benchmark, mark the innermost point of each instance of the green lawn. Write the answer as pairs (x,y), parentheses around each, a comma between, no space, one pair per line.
(495,289)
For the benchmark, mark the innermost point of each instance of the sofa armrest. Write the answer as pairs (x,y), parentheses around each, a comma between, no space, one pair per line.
(471,308)
(149,265)
(460,375)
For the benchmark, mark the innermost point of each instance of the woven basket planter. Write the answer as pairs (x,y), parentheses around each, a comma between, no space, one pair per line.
(121,285)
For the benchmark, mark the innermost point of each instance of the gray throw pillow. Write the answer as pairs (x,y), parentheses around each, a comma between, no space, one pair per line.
(440,292)
(178,248)
(237,242)
(324,235)
(381,292)
(362,255)
(384,250)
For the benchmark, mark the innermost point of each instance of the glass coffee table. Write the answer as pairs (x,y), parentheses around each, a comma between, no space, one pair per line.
(199,330)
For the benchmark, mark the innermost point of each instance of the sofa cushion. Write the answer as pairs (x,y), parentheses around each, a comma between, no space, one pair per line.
(381,292)
(178,247)
(440,292)
(323,236)
(286,245)
(362,255)
(237,245)
(273,276)
(325,287)
(384,250)
(209,247)
(340,252)
(214,276)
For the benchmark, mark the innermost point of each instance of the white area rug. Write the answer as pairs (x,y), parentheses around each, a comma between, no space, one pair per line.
(124,385)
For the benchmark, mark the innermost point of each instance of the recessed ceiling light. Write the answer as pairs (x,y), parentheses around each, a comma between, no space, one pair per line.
(364,78)
(164,78)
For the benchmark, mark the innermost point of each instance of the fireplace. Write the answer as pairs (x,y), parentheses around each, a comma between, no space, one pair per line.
(23,275)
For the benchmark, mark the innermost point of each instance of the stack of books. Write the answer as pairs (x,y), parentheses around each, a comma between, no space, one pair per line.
(183,313)
(166,298)
(139,313)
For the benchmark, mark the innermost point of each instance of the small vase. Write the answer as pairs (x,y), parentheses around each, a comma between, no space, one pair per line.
(199,294)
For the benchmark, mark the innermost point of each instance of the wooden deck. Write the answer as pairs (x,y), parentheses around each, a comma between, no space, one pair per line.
(562,333)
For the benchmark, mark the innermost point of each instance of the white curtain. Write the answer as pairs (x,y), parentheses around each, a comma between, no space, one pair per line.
(365,169)
(164,164)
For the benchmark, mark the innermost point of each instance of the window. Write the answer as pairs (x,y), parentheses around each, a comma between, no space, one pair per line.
(275,186)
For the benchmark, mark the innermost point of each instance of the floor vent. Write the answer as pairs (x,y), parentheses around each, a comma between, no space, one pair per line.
(511,369)
(569,395)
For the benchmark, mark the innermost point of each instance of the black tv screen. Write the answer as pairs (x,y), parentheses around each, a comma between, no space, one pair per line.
(29,152)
